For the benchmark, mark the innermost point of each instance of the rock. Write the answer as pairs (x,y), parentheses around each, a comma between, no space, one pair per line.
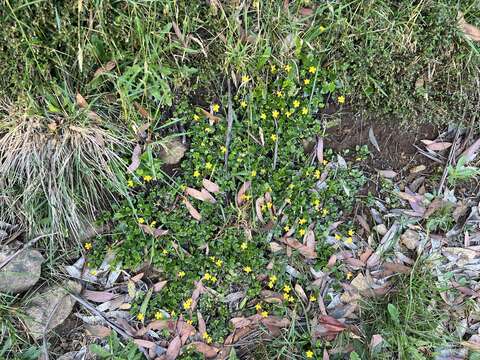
(52,306)
(381,229)
(410,239)
(22,272)
(172,151)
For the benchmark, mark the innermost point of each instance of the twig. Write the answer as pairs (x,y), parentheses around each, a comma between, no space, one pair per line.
(229,124)
(27,245)
(449,161)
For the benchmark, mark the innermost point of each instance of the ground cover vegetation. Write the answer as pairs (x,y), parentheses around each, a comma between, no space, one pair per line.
(260,239)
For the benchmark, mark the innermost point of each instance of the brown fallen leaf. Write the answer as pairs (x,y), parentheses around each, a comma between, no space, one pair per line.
(304,11)
(373,140)
(159,285)
(301,293)
(319,150)
(178,32)
(328,327)
(241,193)
(470,31)
(307,252)
(211,117)
(206,350)
(210,186)
(375,341)
(109,66)
(145,343)
(199,290)
(153,231)
(202,327)
(137,277)
(389,174)
(81,102)
(199,195)
(98,330)
(435,205)
(258,209)
(209,196)
(471,152)
(439,146)
(193,212)
(173,349)
(396,268)
(137,151)
(98,296)
(363,223)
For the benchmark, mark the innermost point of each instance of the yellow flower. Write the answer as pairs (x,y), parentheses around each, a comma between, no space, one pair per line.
(187,304)
(304,111)
(273,137)
(287,68)
(207,338)
(306,81)
(270,284)
(312,69)
(287,289)
(291,298)
(286,228)
(322,29)
(243,104)
(88,246)
(219,263)
(263,207)
(140,316)
(263,116)
(207,276)
(349,275)
(337,237)
(130,183)
(288,200)
(147,178)
(247,269)
(325,212)
(351,232)
(317,174)
(302,221)
(196,173)
(275,114)
(223,149)
(349,240)
(309,354)
(253,173)
(285,296)
(181,274)
(279,94)
(273,69)
(316,202)
(312,298)
(158,315)
(264,314)
(301,232)
(213,279)
(288,114)
(153,223)
(269,204)
(325,162)
(196,117)
(208,165)
(296,103)
(93,272)
(246,197)
(273,278)
(341,99)
(258,307)
(141,220)
(245,78)
(164,252)
(215,107)
(189,321)
(243,246)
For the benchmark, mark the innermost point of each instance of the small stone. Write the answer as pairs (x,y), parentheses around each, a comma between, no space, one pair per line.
(172,151)
(52,306)
(410,239)
(22,272)
(381,229)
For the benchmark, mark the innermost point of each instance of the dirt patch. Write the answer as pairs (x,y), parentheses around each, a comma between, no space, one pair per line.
(396,144)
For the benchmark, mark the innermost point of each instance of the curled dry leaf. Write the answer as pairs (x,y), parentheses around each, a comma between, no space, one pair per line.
(470,31)
(328,327)
(178,32)
(209,196)
(200,195)
(241,193)
(319,150)
(193,212)
(109,66)
(81,102)
(145,343)
(363,223)
(301,293)
(258,209)
(159,285)
(153,231)
(375,341)
(306,251)
(98,330)
(137,151)
(98,296)
(202,327)
(373,140)
(389,174)
(206,350)
(439,146)
(471,152)
(210,186)
(211,117)
(173,349)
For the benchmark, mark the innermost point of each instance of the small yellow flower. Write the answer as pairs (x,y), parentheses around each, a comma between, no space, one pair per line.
(287,68)
(285,296)
(296,103)
(153,223)
(288,114)
(316,203)
(302,221)
(223,149)
(196,173)
(187,304)
(322,29)
(291,186)
(349,240)
(208,165)
(351,232)
(291,298)
(306,81)
(317,174)
(301,232)
(212,258)
(275,114)
(309,354)
(269,205)
(244,246)
(258,307)
(207,276)
(253,173)
(325,212)
(349,275)
(279,94)
(88,246)
(213,279)
(304,111)
(247,269)
(243,104)
(196,117)
(219,263)
(207,338)
(94,272)
(263,208)
(270,284)
(337,237)
(245,78)
(264,314)
(273,69)
(312,298)
(130,183)
(189,321)
(273,278)
(287,289)
(246,197)
(288,200)
(273,137)
(164,252)
(286,228)
(325,162)
(181,274)
(312,69)
(263,116)
(341,99)
(140,316)
(158,315)
(215,107)
(141,220)
(147,178)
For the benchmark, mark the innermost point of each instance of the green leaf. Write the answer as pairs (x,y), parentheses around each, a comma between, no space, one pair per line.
(354,356)
(98,350)
(393,311)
